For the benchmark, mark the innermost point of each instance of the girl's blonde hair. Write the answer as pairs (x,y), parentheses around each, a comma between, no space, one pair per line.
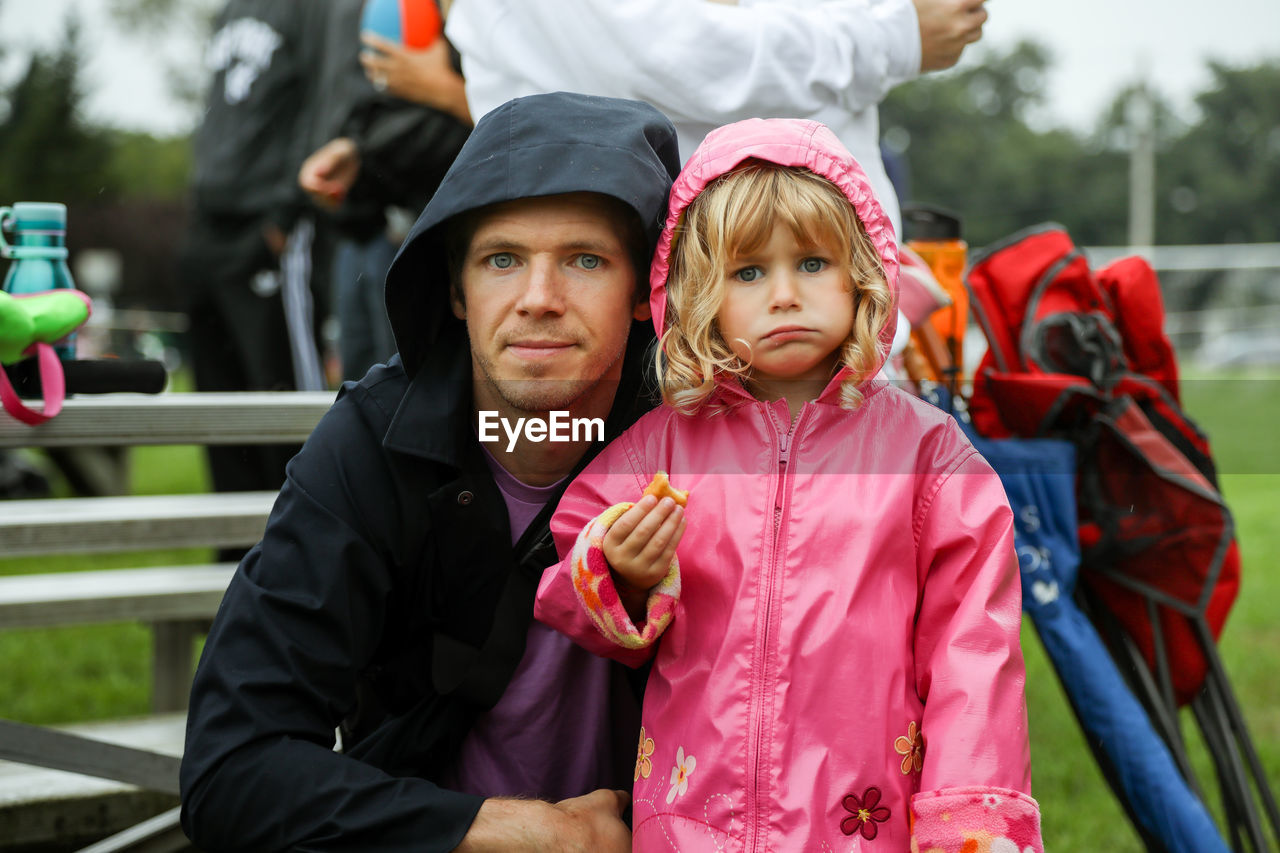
(732,217)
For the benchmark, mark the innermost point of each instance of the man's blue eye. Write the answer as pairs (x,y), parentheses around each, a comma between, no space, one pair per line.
(502,261)
(748,274)
(589,262)
(813,264)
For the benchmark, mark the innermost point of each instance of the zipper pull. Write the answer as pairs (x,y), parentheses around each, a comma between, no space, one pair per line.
(785,435)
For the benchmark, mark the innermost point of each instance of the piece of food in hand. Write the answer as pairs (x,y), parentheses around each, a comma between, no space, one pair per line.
(660,487)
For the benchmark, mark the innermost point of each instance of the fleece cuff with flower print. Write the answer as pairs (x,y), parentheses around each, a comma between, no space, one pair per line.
(593,585)
(980,819)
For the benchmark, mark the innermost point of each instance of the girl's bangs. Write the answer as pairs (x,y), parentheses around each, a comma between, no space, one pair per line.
(748,217)
(815,211)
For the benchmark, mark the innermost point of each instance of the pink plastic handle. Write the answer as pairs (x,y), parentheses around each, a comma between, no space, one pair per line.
(52,384)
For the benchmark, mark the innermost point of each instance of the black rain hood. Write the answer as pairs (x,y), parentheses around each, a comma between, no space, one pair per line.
(541,145)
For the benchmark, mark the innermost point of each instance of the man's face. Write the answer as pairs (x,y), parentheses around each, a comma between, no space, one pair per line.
(547,289)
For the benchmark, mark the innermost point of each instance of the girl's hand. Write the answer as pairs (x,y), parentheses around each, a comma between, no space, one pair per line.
(422,76)
(639,547)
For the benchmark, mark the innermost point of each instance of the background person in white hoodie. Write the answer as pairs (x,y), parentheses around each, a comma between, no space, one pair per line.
(707,63)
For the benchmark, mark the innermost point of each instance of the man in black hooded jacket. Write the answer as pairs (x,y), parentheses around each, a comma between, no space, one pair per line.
(391,595)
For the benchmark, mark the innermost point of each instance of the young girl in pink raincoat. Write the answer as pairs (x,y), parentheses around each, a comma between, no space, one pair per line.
(835,654)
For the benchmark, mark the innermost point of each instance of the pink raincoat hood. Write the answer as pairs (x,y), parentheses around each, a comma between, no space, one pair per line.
(786,142)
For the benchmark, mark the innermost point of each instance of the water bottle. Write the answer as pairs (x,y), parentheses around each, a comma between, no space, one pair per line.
(38,252)
(416,24)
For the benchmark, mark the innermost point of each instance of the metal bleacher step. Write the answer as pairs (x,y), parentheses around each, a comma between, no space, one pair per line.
(175,418)
(54,809)
(163,593)
(85,525)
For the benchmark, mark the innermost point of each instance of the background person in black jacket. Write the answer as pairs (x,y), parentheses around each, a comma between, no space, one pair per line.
(373,152)
(391,595)
(247,259)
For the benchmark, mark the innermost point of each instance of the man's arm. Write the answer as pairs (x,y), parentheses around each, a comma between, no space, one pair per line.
(405,150)
(695,61)
(304,614)
(397,153)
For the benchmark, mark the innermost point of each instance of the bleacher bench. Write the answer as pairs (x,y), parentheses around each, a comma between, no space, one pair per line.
(178,602)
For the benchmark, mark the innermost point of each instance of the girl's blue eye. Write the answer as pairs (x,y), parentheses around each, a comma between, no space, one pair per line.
(589,262)
(813,265)
(748,274)
(502,261)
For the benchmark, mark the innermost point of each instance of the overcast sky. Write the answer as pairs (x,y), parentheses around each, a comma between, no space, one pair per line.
(1099,46)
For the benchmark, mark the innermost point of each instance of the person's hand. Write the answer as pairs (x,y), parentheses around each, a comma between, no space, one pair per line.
(330,172)
(598,816)
(422,76)
(639,547)
(588,824)
(946,27)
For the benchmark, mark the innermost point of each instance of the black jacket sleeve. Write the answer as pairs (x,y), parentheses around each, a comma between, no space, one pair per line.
(405,150)
(303,615)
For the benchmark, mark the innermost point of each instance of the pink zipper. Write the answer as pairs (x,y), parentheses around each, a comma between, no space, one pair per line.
(759,677)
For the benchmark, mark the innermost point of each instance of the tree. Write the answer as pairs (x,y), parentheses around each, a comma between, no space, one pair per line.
(190,19)
(1220,181)
(149,167)
(47,150)
(970,146)
(122,189)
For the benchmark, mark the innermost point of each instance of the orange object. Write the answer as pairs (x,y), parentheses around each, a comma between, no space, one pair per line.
(947,259)
(660,487)
(420,23)
(936,239)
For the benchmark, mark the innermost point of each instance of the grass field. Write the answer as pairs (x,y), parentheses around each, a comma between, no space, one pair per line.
(96,672)
(1079,813)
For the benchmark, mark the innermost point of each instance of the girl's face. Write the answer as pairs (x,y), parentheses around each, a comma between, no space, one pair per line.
(787,310)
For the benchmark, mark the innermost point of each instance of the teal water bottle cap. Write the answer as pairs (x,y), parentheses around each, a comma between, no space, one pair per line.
(39,216)
(43,222)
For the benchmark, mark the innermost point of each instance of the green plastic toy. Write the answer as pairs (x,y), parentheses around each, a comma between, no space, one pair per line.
(30,324)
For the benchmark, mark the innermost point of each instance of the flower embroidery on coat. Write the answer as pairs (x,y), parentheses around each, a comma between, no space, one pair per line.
(645,749)
(680,774)
(911,747)
(864,813)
